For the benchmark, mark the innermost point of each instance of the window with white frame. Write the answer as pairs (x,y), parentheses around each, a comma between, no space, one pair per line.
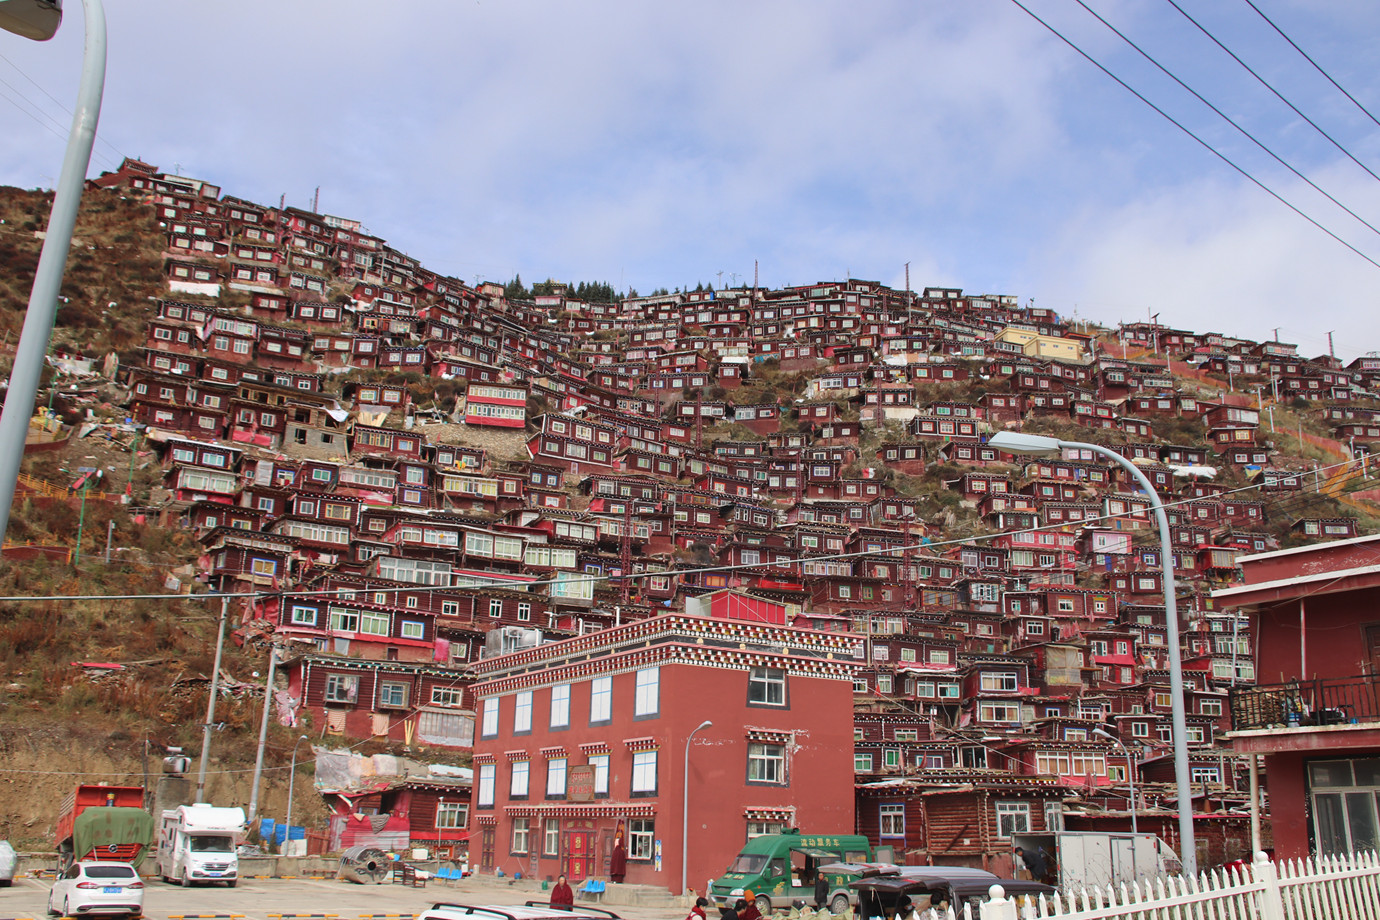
(862,763)
(520,779)
(644,773)
(999,712)
(766,763)
(521,830)
(763,828)
(646,700)
(484,794)
(641,832)
(447,696)
(551,837)
(560,706)
(452,815)
(488,727)
(1001,681)
(342,688)
(767,687)
(393,694)
(1012,818)
(522,712)
(893,820)
(600,764)
(555,778)
(600,700)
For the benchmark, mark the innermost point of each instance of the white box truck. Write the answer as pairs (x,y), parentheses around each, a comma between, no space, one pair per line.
(1096,859)
(196,844)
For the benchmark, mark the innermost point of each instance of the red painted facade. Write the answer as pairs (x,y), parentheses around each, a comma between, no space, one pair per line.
(1313,715)
(580,740)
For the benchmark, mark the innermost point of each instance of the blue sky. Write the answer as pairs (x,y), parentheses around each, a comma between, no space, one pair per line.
(658,145)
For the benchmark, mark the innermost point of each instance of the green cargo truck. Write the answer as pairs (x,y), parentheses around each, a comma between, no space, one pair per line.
(781,868)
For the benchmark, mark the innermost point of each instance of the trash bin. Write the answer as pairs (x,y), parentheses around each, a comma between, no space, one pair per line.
(365,865)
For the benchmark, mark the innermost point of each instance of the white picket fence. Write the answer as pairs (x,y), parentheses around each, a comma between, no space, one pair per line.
(1320,888)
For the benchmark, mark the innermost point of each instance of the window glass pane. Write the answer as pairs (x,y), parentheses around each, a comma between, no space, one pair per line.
(1331,826)
(1360,813)
(1367,771)
(1330,773)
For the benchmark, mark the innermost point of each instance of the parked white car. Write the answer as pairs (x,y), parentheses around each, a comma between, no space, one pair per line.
(8,861)
(95,887)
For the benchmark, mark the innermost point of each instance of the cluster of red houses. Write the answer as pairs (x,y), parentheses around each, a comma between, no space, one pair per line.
(699,549)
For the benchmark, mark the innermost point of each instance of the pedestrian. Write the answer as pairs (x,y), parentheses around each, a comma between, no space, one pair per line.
(618,863)
(752,913)
(697,912)
(561,895)
(730,911)
(821,889)
(1036,863)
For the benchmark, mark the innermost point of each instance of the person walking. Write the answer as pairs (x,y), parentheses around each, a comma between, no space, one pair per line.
(561,895)
(618,862)
(697,912)
(752,913)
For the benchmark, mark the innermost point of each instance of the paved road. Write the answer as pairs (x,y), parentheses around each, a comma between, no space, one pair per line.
(258,899)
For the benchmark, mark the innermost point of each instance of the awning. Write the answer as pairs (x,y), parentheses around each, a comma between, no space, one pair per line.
(815,853)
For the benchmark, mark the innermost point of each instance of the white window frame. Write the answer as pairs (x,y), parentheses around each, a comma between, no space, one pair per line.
(557,769)
(560,706)
(488,726)
(647,697)
(643,780)
(600,700)
(484,789)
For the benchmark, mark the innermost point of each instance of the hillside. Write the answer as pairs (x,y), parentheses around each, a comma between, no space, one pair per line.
(268,452)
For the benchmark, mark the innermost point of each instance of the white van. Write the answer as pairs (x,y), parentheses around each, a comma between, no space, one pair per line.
(196,843)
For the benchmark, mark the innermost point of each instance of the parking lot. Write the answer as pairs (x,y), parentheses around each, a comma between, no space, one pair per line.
(272,899)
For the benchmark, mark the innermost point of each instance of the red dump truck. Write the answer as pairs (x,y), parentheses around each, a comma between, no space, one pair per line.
(104,822)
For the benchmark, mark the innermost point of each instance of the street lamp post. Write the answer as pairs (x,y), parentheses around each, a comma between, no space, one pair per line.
(1017,443)
(38,19)
(1130,770)
(685,809)
(292,778)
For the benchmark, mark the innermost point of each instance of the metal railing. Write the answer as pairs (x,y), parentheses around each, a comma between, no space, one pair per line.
(1300,703)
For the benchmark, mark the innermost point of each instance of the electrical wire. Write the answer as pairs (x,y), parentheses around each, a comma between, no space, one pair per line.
(1248,135)
(1315,64)
(1276,92)
(1213,150)
(115,150)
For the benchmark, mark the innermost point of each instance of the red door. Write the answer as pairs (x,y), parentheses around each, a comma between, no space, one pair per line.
(578,853)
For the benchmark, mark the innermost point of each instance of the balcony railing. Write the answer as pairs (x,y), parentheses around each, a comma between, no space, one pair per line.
(1322,701)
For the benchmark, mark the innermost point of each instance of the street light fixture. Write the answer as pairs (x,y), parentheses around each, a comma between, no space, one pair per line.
(1037,445)
(39,19)
(36,19)
(292,778)
(1130,770)
(685,809)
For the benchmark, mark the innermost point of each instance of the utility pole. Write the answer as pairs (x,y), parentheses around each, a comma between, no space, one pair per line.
(211,702)
(263,733)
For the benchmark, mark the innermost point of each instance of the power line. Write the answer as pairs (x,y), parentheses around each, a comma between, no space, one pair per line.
(1277,93)
(1213,150)
(1315,64)
(56,102)
(1223,115)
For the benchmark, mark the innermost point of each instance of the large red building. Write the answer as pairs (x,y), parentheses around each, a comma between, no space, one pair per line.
(585,739)
(1315,715)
